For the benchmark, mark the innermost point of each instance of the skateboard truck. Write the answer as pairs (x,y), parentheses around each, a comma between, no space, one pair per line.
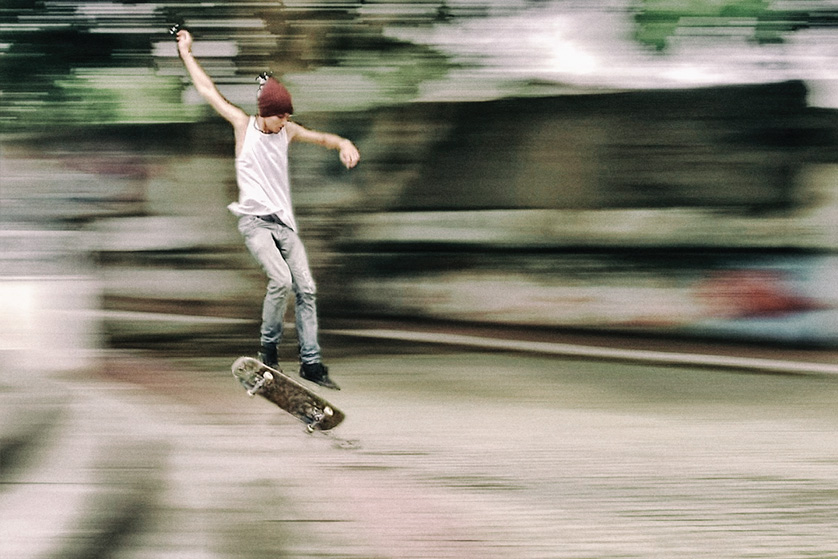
(317,416)
(263,380)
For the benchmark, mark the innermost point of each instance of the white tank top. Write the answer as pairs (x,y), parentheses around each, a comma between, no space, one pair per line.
(262,176)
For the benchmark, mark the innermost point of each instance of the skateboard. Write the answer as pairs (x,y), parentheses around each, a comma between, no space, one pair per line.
(290,395)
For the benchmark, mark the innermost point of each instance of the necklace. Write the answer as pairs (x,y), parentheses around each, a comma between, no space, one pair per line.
(257,127)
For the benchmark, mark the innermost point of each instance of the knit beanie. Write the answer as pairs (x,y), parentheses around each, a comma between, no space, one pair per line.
(274,99)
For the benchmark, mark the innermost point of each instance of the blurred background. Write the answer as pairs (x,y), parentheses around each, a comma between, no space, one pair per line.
(653,168)
(648,165)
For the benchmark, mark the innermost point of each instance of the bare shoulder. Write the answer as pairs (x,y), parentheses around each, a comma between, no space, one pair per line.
(239,119)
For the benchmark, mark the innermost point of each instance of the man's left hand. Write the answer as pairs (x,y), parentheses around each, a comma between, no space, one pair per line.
(349,154)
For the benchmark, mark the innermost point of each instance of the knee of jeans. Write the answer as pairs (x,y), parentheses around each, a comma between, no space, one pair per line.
(306,297)
(308,290)
(279,288)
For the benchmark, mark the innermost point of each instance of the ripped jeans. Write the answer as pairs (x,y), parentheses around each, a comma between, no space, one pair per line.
(281,253)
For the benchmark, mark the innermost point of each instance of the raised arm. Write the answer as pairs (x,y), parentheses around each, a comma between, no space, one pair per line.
(349,154)
(205,86)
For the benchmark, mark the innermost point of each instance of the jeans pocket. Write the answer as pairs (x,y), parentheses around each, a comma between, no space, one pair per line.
(247,224)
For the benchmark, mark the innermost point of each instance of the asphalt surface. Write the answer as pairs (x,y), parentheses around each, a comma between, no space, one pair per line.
(445,453)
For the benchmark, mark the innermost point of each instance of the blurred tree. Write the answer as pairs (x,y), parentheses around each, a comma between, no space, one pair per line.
(77,58)
(95,62)
(657,21)
(72,60)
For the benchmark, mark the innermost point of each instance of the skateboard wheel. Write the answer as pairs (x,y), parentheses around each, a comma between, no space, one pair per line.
(328,412)
(268,375)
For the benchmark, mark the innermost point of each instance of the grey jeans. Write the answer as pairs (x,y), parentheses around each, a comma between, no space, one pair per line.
(281,253)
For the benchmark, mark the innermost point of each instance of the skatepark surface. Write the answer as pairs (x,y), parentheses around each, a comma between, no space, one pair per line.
(446,452)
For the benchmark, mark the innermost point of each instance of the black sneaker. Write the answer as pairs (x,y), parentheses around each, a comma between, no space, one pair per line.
(268,356)
(318,373)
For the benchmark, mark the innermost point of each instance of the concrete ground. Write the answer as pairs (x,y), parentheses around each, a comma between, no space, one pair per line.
(446,452)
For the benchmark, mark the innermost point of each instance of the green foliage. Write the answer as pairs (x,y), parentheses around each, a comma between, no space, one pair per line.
(657,21)
(99,63)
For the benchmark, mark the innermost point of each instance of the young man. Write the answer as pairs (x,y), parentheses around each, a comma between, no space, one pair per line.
(266,217)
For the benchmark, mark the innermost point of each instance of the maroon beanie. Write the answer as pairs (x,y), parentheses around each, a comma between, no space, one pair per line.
(274,99)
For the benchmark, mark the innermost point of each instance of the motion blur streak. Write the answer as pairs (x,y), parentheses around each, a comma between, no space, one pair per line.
(575,224)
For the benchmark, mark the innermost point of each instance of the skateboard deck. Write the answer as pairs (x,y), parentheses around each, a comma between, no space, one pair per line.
(290,395)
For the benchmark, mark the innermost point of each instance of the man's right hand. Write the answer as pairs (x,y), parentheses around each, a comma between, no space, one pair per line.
(184,42)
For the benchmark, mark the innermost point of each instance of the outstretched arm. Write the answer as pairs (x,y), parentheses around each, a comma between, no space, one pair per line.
(349,154)
(204,84)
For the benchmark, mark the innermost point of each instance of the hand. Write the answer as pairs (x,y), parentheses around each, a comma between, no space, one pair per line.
(349,154)
(184,42)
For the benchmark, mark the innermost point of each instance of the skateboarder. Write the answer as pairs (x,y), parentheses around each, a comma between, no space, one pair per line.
(266,216)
